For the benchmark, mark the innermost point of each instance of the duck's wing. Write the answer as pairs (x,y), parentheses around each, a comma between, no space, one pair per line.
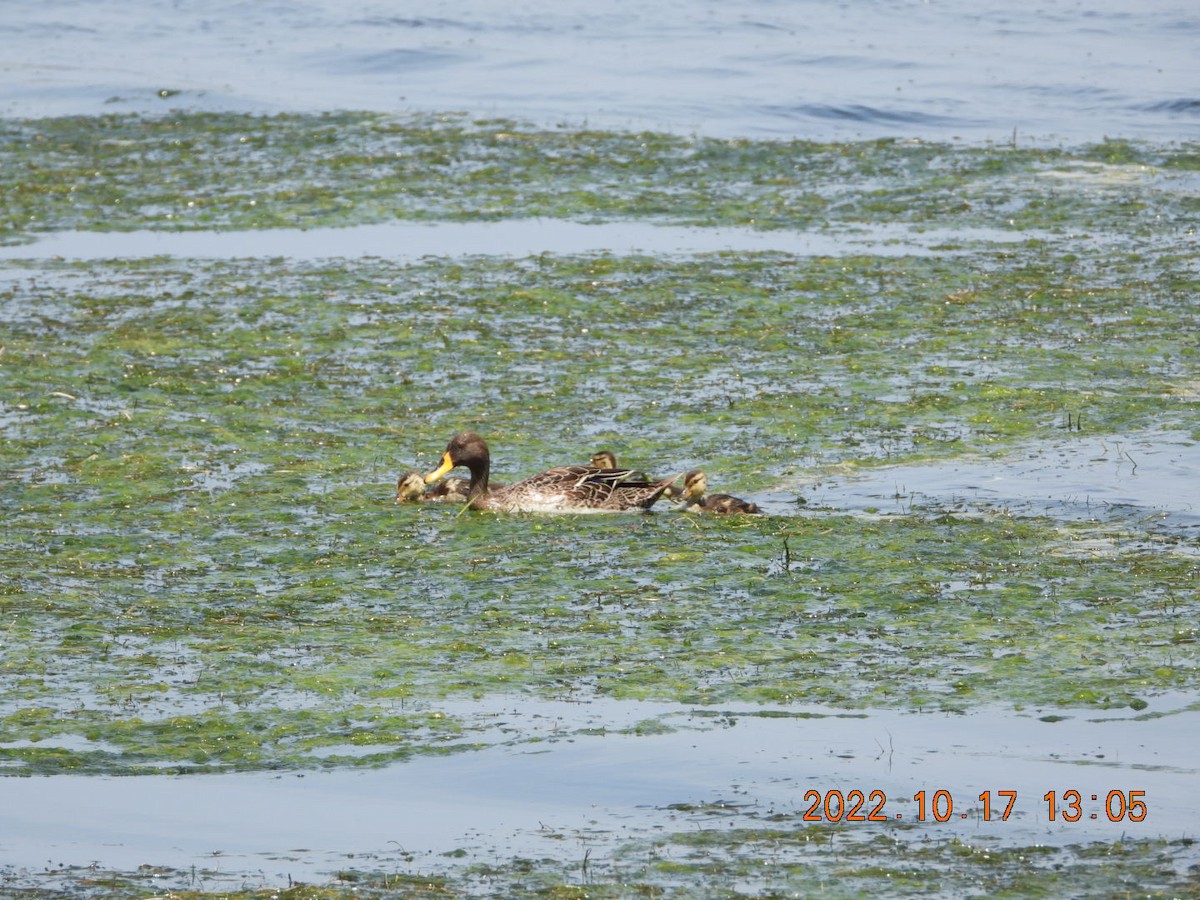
(580,488)
(637,494)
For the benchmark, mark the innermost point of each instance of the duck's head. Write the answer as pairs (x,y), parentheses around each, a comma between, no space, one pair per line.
(409,487)
(695,484)
(465,449)
(604,459)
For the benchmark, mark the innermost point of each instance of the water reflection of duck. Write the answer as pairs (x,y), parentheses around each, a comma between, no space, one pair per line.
(561,489)
(695,483)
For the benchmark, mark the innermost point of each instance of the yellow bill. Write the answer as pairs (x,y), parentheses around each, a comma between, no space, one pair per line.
(446,466)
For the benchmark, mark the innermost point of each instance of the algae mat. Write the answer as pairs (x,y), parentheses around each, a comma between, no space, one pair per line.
(204,568)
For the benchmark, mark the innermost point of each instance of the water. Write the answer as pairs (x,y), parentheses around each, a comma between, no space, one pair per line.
(516,237)
(569,792)
(1147,478)
(1058,71)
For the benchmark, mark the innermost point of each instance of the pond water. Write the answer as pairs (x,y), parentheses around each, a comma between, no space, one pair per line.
(516,238)
(815,69)
(1149,478)
(562,792)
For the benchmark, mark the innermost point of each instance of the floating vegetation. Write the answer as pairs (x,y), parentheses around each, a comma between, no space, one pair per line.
(205,569)
(213,170)
(772,860)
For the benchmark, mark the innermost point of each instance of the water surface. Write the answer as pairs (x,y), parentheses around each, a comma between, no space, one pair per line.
(817,69)
(593,791)
(513,238)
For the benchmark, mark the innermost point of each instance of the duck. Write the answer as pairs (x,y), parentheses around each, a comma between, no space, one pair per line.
(410,488)
(452,490)
(604,459)
(563,489)
(695,483)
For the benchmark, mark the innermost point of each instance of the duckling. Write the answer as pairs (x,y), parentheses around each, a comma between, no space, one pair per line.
(604,459)
(410,488)
(452,490)
(695,483)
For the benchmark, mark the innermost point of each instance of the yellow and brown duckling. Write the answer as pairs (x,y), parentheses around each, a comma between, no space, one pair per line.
(410,488)
(449,490)
(564,489)
(604,459)
(695,484)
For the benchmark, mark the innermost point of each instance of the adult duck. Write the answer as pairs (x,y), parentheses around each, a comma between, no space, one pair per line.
(695,499)
(564,489)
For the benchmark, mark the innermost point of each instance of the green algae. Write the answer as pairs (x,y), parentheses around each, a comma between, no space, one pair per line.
(211,170)
(902,862)
(710,861)
(204,569)
(206,559)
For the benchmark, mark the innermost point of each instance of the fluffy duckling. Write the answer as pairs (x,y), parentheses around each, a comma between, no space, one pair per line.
(604,459)
(695,484)
(410,488)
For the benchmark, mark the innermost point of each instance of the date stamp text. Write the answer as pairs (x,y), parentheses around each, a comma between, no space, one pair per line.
(989,806)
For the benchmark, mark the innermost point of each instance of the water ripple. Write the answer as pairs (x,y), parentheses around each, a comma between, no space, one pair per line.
(871,70)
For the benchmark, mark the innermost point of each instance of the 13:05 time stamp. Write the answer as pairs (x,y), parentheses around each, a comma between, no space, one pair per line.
(990,806)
